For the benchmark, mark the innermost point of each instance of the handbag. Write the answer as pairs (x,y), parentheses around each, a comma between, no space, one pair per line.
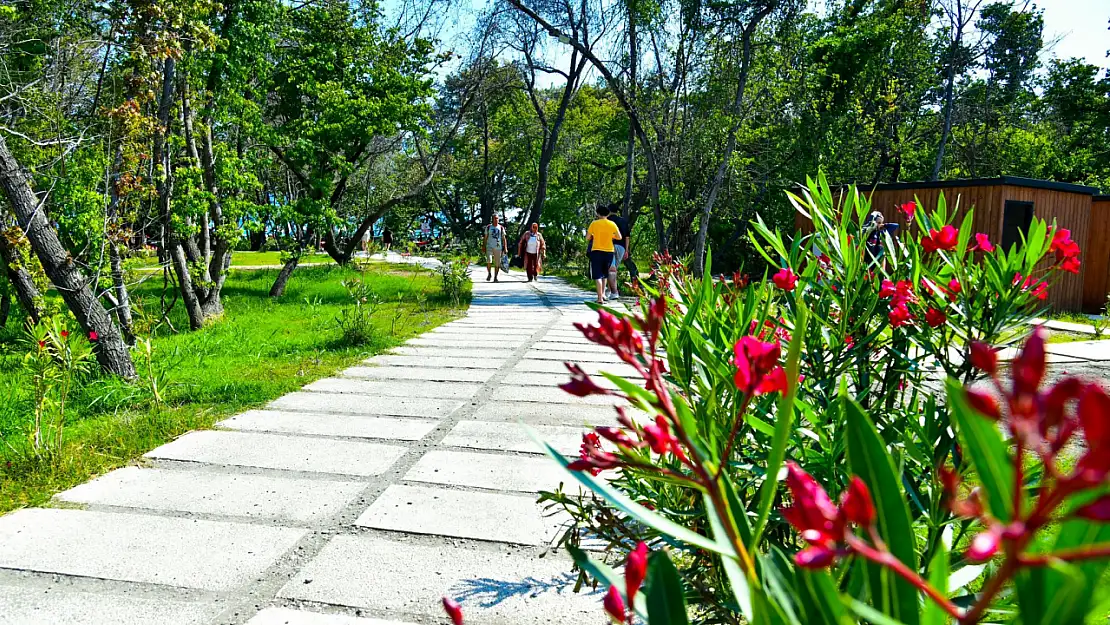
(504,262)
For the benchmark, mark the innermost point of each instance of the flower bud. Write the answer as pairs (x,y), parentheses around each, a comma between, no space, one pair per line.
(983,546)
(984,358)
(635,570)
(815,557)
(454,610)
(1097,510)
(856,503)
(614,605)
(984,403)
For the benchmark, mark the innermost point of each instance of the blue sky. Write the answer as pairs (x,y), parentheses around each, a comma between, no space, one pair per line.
(1079,28)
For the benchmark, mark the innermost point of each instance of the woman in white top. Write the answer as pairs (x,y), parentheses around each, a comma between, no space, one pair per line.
(532,249)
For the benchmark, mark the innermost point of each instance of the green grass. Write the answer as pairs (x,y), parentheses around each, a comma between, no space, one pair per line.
(242,259)
(260,350)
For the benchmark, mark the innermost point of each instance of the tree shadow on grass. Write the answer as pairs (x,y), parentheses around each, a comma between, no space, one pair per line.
(486,592)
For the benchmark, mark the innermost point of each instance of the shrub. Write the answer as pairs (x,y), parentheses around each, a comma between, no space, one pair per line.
(55,362)
(869,344)
(356,320)
(454,274)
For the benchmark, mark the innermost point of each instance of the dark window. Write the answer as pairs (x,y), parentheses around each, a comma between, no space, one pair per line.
(1016,218)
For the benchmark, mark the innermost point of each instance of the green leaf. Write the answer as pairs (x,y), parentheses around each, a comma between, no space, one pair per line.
(605,575)
(784,424)
(983,445)
(666,599)
(869,458)
(938,578)
(821,601)
(1040,589)
(623,503)
(871,615)
(741,590)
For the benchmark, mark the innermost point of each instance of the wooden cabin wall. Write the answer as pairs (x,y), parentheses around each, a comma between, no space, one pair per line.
(1096,257)
(1069,210)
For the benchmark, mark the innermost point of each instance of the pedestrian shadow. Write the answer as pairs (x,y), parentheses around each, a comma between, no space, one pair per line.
(487,592)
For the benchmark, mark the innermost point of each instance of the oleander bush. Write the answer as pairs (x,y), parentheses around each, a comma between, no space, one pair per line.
(964,495)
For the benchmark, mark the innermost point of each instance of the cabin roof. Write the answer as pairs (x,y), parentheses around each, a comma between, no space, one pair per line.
(1016,181)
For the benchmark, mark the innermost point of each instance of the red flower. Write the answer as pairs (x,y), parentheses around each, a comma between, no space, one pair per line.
(635,570)
(849,342)
(616,333)
(454,610)
(1027,370)
(773,382)
(754,359)
(659,438)
(886,289)
(1041,290)
(813,514)
(93,336)
(616,436)
(65,334)
(954,288)
(42,344)
(785,279)
(909,208)
(1070,264)
(900,316)
(982,243)
(943,239)
(984,403)
(856,503)
(614,605)
(984,358)
(815,557)
(1097,510)
(935,318)
(591,457)
(581,385)
(1093,412)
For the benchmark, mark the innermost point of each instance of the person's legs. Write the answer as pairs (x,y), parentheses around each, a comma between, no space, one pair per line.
(489,265)
(618,256)
(496,258)
(599,271)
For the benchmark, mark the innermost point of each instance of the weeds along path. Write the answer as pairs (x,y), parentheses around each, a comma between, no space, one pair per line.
(367,495)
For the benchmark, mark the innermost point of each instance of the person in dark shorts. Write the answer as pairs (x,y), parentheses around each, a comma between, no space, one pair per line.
(387,239)
(620,250)
(600,238)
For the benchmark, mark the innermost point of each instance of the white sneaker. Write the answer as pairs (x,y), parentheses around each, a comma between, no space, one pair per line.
(613,296)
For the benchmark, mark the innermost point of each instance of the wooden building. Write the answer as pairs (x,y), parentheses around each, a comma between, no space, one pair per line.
(1004,207)
(1096,256)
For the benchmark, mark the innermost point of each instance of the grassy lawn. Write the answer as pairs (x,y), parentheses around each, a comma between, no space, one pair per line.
(259,350)
(242,259)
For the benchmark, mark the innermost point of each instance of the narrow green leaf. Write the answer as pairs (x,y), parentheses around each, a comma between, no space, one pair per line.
(605,575)
(983,445)
(784,424)
(820,599)
(871,615)
(869,458)
(741,590)
(666,599)
(623,503)
(938,578)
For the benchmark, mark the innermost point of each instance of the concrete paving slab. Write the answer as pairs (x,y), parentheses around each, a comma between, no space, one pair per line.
(55,605)
(283,500)
(191,553)
(491,342)
(565,356)
(572,346)
(357,405)
(546,414)
(430,353)
(286,616)
(494,586)
(1087,350)
(450,362)
(395,388)
(592,368)
(497,517)
(428,374)
(552,380)
(323,424)
(491,471)
(288,453)
(552,396)
(512,437)
(450,330)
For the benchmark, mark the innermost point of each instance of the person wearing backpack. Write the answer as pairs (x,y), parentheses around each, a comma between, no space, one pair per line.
(494,246)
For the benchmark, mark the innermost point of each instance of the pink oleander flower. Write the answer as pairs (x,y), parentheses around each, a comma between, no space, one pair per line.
(935,318)
(944,239)
(821,523)
(93,336)
(755,360)
(614,605)
(954,289)
(453,610)
(984,358)
(580,384)
(982,242)
(900,316)
(909,209)
(785,279)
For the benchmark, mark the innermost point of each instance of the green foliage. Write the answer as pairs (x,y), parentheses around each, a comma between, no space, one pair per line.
(454,276)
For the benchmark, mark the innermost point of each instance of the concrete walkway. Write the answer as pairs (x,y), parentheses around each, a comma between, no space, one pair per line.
(360,500)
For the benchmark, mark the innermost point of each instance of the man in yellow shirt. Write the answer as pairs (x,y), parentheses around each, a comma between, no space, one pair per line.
(600,237)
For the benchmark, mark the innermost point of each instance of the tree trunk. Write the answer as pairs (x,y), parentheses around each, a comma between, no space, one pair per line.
(949,90)
(123,298)
(21,281)
(111,352)
(730,145)
(278,289)
(172,244)
(5,309)
(630,147)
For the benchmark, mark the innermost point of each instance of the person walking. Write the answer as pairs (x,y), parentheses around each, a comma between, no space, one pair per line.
(494,245)
(387,239)
(620,250)
(532,249)
(600,238)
